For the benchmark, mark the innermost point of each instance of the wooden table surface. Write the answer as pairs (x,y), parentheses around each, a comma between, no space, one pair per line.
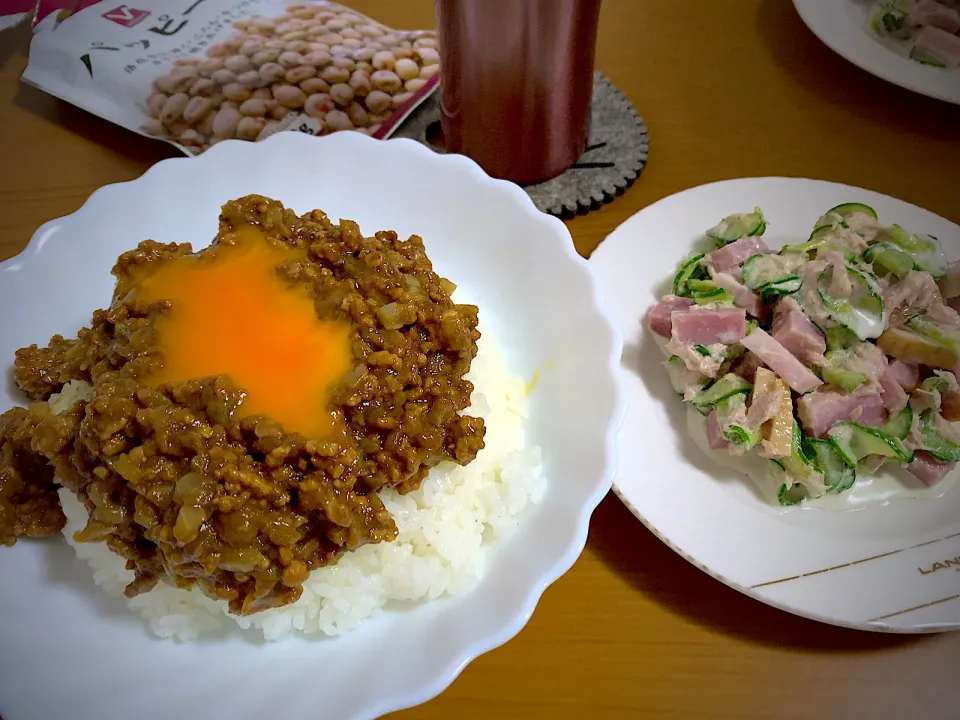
(728,89)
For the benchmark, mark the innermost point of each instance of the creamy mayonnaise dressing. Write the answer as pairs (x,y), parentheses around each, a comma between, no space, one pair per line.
(889,483)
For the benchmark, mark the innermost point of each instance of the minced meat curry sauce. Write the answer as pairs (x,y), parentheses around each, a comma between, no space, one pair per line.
(249,400)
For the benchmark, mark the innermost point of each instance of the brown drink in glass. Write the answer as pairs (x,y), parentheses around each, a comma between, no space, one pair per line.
(516,79)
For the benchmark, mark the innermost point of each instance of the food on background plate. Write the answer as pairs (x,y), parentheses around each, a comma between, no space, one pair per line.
(927,31)
(274,428)
(816,367)
(195,74)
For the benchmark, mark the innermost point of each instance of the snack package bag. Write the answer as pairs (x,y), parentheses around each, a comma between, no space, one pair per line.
(194,72)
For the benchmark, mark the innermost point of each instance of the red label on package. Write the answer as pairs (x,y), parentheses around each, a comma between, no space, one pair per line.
(126,15)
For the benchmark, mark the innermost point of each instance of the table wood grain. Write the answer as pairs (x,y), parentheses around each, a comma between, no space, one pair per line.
(728,89)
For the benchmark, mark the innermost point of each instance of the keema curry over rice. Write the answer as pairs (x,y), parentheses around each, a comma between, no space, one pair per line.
(239,407)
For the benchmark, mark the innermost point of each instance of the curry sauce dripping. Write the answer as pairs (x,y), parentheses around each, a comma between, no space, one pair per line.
(231,314)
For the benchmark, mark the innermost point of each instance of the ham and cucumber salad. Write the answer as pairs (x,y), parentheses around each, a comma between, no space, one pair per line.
(927,31)
(827,359)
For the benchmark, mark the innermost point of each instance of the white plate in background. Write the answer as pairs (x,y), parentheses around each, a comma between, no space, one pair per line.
(892,567)
(844,26)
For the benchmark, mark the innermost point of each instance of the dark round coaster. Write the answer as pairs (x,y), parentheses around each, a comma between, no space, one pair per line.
(616,153)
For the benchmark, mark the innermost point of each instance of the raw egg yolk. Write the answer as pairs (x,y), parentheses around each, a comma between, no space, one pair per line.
(231,314)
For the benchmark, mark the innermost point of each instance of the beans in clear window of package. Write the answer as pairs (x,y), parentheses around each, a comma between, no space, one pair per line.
(195,72)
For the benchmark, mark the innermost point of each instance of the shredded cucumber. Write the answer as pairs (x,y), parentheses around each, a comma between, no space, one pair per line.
(938,383)
(899,426)
(862,313)
(845,210)
(924,249)
(926,56)
(838,215)
(725,387)
(822,239)
(847,379)
(839,338)
(691,269)
(816,239)
(934,442)
(717,297)
(753,271)
(734,227)
(837,475)
(736,434)
(890,21)
(705,292)
(835,371)
(742,436)
(855,442)
(771,291)
(791,496)
(696,286)
(799,465)
(763,270)
(890,258)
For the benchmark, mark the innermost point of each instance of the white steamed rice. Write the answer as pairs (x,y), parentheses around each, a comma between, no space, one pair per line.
(443,528)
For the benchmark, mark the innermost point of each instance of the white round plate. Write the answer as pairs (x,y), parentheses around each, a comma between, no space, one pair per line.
(69,651)
(844,26)
(890,567)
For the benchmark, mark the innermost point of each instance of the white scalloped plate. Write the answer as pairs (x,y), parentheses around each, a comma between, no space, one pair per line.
(843,26)
(79,654)
(892,567)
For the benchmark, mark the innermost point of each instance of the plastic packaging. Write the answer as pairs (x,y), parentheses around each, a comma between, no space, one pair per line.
(195,72)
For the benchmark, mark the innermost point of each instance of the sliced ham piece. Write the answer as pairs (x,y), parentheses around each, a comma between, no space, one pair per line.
(715,438)
(907,374)
(736,252)
(776,357)
(659,316)
(928,470)
(821,410)
(707,327)
(892,394)
(795,331)
(930,12)
(941,44)
(742,295)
